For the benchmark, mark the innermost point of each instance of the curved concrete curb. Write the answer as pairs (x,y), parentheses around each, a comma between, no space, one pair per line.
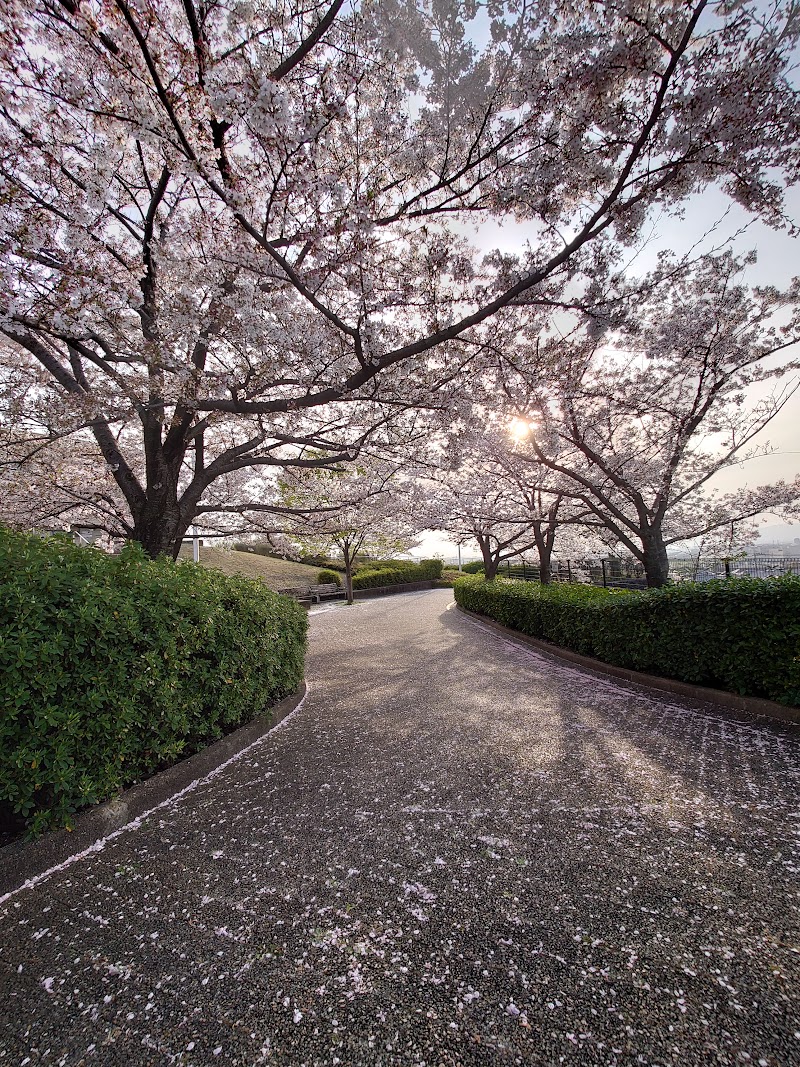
(751,707)
(23,861)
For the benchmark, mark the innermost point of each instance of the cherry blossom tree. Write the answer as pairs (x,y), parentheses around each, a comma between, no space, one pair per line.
(228,229)
(725,544)
(364,507)
(639,422)
(471,505)
(482,489)
(49,484)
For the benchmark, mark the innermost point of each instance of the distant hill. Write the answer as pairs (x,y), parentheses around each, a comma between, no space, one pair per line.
(278,574)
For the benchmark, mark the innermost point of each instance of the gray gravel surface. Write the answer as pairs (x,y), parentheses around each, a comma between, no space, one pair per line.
(457,851)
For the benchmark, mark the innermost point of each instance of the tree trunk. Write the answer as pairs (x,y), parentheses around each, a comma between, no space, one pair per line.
(655,560)
(160,525)
(491,568)
(544,547)
(348,576)
(491,560)
(160,536)
(545,539)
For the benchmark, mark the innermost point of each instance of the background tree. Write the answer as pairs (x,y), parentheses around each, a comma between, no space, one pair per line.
(726,544)
(470,506)
(228,231)
(485,491)
(556,514)
(365,507)
(640,421)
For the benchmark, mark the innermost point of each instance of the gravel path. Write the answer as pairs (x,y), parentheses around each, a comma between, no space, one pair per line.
(456,852)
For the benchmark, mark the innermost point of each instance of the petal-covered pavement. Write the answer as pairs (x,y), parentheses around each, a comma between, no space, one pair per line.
(456,851)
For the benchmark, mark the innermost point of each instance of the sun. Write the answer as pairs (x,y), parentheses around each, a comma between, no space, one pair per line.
(519,429)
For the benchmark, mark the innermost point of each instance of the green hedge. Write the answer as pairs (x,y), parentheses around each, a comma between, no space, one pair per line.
(367,579)
(113,667)
(328,577)
(425,571)
(741,634)
(317,560)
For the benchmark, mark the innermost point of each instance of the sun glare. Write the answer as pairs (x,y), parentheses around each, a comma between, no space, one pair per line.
(519,429)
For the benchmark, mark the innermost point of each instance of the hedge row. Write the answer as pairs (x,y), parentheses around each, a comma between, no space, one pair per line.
(741,635)
(361,564)
(113,667)
(258,550)
(328,577)
(424,571)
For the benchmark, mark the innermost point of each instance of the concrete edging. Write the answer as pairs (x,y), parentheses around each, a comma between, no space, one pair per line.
(751,707)
(24,860)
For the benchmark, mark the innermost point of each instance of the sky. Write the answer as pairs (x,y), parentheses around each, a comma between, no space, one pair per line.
(778,262)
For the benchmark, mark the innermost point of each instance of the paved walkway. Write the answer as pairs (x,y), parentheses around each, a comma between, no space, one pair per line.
(455,852)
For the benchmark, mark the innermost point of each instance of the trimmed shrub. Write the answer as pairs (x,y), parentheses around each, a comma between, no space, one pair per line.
(328,577)
(115,667)
(425,571)
(317,560)
(562,614)
(476,567)
(739,634)
(259,549)
(369,579)
(431,567)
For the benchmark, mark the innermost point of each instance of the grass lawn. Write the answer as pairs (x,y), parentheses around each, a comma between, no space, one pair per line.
(278,574)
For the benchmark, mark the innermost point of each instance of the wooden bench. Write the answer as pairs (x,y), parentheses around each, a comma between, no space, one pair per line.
(316,593)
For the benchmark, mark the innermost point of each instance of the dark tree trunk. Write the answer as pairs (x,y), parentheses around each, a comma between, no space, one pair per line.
(159,520)
(491,560)
(348,576)
(544,547)
(160,523)
(655,560)
(160,535)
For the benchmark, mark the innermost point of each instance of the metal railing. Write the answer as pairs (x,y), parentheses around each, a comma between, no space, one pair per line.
(703,570)
(615,572)
(611,573)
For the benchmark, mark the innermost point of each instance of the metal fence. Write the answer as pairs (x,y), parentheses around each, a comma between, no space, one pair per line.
(627,573)
(703,570)
(611,572)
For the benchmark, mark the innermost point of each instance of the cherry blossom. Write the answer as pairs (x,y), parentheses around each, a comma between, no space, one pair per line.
(233,233)
(639,420)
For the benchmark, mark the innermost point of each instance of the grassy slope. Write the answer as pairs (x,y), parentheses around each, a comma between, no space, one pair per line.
(278,574)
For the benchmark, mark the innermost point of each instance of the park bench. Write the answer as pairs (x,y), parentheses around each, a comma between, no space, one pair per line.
(315,594)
